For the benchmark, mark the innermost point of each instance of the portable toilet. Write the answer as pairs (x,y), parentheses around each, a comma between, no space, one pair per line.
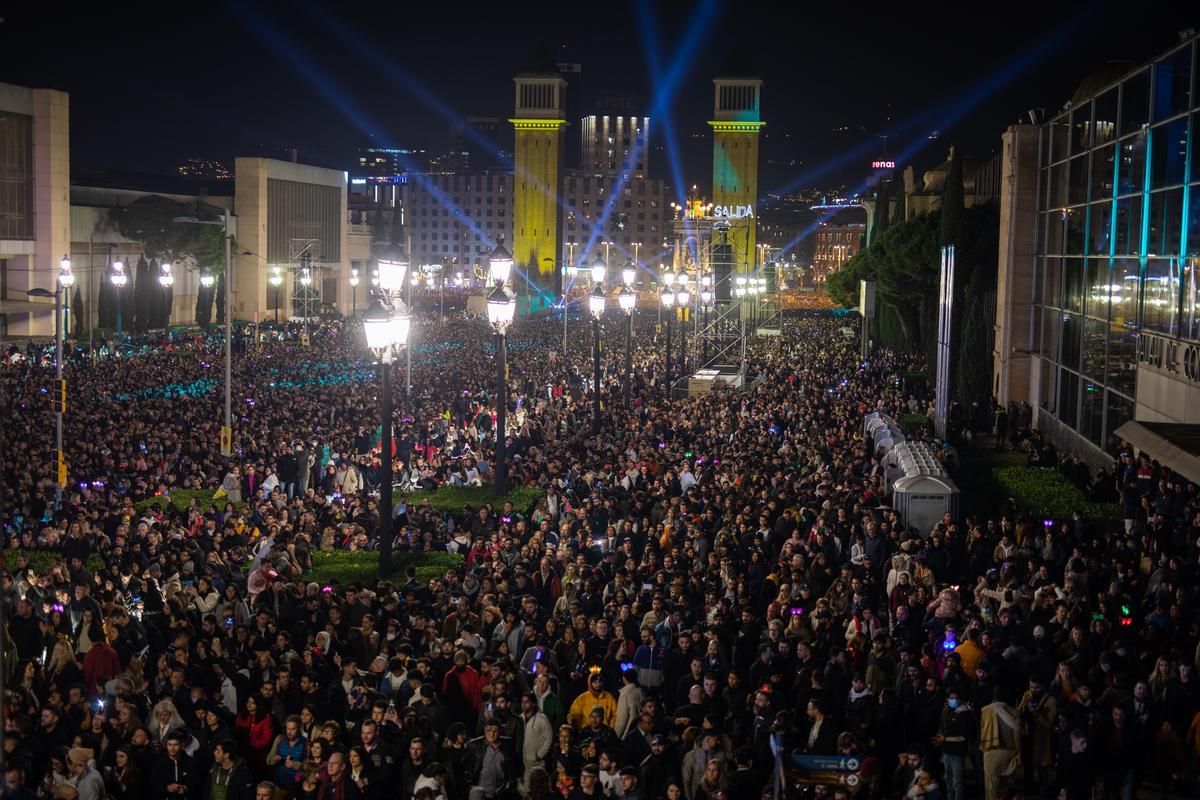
(922,499)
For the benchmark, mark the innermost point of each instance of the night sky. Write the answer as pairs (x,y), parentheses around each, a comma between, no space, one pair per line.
(151,86)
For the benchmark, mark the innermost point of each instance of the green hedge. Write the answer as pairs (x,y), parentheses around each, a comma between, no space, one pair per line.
(912,424)
(181,500)
(362,566)
(446,498)
(40,560)
(1044,491)
(453,498)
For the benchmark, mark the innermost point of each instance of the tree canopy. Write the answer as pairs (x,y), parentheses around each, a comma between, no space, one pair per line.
(904,263)
(151,221)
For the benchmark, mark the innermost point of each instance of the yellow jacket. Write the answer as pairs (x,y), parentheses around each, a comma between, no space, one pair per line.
(970,654)
(583,705)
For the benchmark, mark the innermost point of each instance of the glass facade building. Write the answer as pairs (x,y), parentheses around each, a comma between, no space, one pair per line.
(1118,239)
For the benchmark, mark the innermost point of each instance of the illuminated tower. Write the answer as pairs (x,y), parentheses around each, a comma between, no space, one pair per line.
(736,121)
(538,124)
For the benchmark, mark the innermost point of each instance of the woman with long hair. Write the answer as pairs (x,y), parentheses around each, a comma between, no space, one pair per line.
(163,719)
(538,784)
(712,784)
(124,781)
(88,632)
(30,682)
(255,730)
(318,756)
(63,670)
(362,772)
(205,599)
(127,721)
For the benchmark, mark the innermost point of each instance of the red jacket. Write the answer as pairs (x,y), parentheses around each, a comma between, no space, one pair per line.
(101,664)
(468,684)
(259,734)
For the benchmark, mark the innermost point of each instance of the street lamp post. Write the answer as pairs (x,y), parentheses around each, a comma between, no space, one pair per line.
(599,273)
(668,303)
(166,280)
(62,285)
(277,282)
(501,306)
(682,299)
(353,292)
(386,326)
(306,284)
(706,297)
(119,279)
(596,306)
(627,300)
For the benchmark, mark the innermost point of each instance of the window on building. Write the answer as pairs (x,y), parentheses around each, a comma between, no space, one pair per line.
(1172,83)
(1135,102)
(1168,153)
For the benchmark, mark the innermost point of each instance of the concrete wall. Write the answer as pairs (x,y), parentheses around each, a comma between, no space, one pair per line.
(1014,283)
(36,266)
(1162,398)
(251,271)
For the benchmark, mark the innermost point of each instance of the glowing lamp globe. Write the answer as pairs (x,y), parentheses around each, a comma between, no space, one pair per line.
(599,270)
(596,302)
(377,327)
(392,272)
(500,309)
(500,264)
(627,300)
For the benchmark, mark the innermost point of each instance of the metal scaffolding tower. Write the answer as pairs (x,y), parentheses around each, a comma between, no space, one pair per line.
(744,297)
(305,268)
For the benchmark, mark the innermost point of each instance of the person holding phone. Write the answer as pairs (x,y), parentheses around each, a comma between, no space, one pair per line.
(287,753)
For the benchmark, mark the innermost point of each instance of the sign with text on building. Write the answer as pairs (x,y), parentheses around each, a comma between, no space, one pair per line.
(734,212)
(1170,357)
(883,165)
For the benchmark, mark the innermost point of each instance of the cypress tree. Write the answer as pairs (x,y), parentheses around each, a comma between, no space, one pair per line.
(954,209)
(901,211)
(78,319)
(204,303)
(882,210)
(106,306)
(168,300)
(972,362)
(142,314)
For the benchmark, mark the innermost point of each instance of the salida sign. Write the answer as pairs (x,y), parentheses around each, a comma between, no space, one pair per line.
(734,212)
(1177,359)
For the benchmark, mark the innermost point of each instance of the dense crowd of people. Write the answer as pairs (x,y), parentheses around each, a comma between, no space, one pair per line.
(703,595)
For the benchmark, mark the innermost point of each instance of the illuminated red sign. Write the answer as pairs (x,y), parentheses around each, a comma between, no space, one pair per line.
(883,165)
